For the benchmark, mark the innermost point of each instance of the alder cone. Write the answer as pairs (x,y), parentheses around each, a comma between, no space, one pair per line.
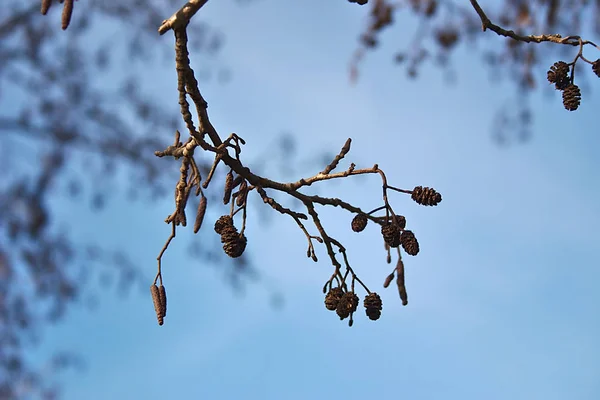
(558,72)
(223,222)
(409,243)
(391,234)
(347,305)
(200,214)
(373,306)
(571,97)
(359,222)
(235,245)
(332,299)
(596,67)
(426,196)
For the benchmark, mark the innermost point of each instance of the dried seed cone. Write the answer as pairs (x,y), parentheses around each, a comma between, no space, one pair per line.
(409,243)
(222,222)
(559,74)
(162,296)
(400,220)
(571,97)
(235,245)
(157,305)
(391,234)
(347,305)
(332,298)
(426,196)
(373,306)
(596,67)
(229,234)
(359,222)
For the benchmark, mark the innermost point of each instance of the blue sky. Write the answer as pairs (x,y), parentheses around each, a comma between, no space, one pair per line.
(502,297)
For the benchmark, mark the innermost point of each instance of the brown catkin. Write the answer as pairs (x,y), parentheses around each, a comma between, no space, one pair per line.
(162,296)
(242,194)
(66,14)
(157,304)
(400,282)
(228,188)
(388,280)
(200,214)
(391,234)
(46,6)
(400,220)
(347,305)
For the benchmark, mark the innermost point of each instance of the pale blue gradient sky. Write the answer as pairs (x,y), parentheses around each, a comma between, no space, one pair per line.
(503,298)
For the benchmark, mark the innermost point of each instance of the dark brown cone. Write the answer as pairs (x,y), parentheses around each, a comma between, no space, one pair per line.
(426,196)
(562,85)
(596,67)
(162,295)
(409,243)
(229,234)
(400,221)
(391,234)
(359,222)
(571,97)
(361,2)
(373,306)
(559,74)
(157,305)
(234,247)
(347,305)
(332,298)
(222,222)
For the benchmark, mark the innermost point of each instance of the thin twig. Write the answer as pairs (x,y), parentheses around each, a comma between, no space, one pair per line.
(182,16)
(486,23)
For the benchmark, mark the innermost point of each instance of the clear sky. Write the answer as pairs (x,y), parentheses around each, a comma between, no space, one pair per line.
(503,299)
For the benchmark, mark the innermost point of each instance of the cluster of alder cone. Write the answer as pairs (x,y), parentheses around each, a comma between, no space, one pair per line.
(345,302)
(563,77)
